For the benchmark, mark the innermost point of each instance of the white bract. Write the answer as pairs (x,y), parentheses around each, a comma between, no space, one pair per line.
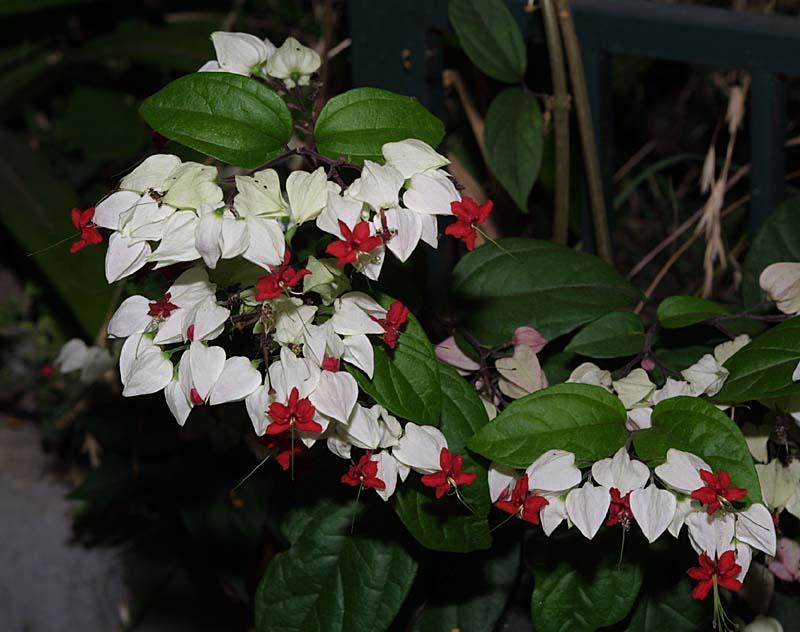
(294,63)
(420,448)
(76,355)
(239,53)
(207,376)
(781,282)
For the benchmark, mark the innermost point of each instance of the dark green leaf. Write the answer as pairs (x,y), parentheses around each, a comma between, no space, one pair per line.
(514,142)
(578,591)
(763,369)
(331,581)
(12,7)
(670,609)
(682,311)
(406,379)
(584,419)
(778,240)
(612,336)
(355,125)
(229,117)
(445,524)
(693,425)
(490,37)
(680,358)
(231,523)
(559,366)
(469,593)
(102,125)
(36,214)
(516,282)
(105,484)
(665,602)
(182,47)
(463,413)
(786,608)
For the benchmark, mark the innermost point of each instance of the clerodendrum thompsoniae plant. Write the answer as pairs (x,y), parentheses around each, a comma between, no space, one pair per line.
(275,248)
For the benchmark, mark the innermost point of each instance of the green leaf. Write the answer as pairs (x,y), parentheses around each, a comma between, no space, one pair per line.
(463,413)
(331,581)
(228,525)
(182,47)
(514,142)
(102,125)
(355,125)
(578,591)
(778,240)
(763,369)
(584,419)
(36,214)
(682,311)
(665,602)
(615,335)
(499,287)
(229,117)
(105,484)
(445,524)
(406,379)
(693,425)
(670,609)
(469,593)
(490,37)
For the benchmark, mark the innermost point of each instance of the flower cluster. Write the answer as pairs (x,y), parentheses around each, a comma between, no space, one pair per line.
(246,54)
(304,320)
(639,394)
(621,491)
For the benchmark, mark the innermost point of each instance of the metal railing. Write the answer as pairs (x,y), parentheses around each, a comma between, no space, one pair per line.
(397,46)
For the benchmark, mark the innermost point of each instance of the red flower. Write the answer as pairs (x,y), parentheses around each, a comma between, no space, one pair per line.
(396,317)
(716,490)
(710,573)
(162,308)
(450,474)
(196,398)
(364,474)
(90,236)
(469,215)
(280,278)
(353,243)
(523,503)
(297,413)
(47,371)
(620,508)
(284,448)
(331,364)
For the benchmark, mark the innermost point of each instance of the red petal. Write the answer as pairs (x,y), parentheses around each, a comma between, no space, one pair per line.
(437,479)
(735,493)
(709,478)
(343,251)
(702,589)
(731,584)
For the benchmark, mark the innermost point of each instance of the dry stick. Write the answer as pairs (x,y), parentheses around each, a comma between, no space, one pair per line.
(329,20)
(634,160)
(561,105)
(101,339)
(679,253)
(452,79)
(693,219)
(591,161)
(230,19)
